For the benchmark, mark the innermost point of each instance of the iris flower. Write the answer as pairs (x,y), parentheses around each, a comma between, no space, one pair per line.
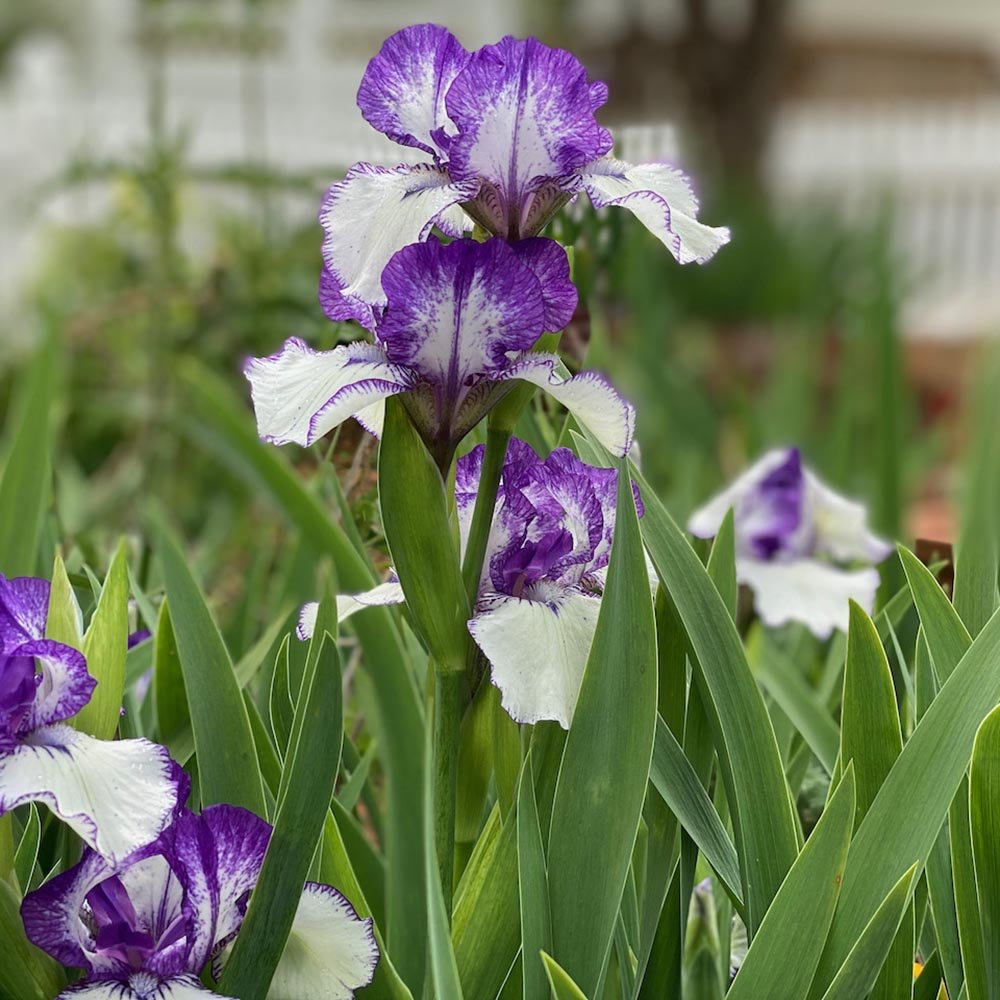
(543,576)
(117,795)
(804,550)
(148,929)
(511,136)
(454,336)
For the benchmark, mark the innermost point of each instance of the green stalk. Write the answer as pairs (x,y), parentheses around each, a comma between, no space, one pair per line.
(6,847)
(447,728)
(482,516)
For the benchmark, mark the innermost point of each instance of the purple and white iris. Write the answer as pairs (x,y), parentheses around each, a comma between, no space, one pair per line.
(117,795)
(148,929)
(454,335)
(543,576)
(511,133)
(804,550)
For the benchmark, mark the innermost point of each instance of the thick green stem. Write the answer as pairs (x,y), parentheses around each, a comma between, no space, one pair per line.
(482,516)
(6,846)
(447,726)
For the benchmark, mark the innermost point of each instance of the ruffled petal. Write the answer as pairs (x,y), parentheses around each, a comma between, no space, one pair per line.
(589,396)
(548,260)
(707,519)
(300,394)
(660,197)
(340,307)
(538,652)
(118,796)
(217,856)
(141,986)
(24,609)
(454,311)
(64,686)
(385,593)
(807,591)
(525,116)
(841,525)
(330,952)
(402,91)
(375,211)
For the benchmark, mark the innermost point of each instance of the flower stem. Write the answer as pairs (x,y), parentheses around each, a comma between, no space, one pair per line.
(6,846)
(447,727)
(482,516)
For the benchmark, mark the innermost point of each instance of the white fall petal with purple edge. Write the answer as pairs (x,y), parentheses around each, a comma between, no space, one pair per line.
(115,795)
(804,550)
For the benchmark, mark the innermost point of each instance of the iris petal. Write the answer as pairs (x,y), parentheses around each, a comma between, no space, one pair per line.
(660,197)
(537,651)
(300,394)
(117,796)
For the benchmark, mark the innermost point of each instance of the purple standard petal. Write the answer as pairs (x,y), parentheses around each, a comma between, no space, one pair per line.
(453,313)
(548,260)
(769,516)
(402,92)
(217,856)
(375,211)
(300,394)
(117,795)
(24,609)
(525,119)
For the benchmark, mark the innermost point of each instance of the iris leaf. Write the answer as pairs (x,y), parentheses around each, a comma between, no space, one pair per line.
(562,986)
(222,426)
(606,760)
(800,916)
(984,810)
(307,784)
(27,472)
(105,645)
(903,821)
(536,927)
(227,758)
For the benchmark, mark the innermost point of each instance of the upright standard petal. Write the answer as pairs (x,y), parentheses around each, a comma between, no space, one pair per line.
(402,92)
(300,394)
(537,651)
(218,856)
(24,609)
(525,116)
(330,952)
(454,311)
(660,197)
(589,396)
(548,260)
(808,591)
(707,519)
(118,796)
(375,211)
(841,526)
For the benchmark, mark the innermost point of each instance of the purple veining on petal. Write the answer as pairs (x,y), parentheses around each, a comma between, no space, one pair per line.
(454,312)
(402,92)
(548,260)
(554,521)
(525,116)
(768,518)
(24,608)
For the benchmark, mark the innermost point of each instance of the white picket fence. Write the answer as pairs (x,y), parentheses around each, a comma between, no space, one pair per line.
(939,164)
